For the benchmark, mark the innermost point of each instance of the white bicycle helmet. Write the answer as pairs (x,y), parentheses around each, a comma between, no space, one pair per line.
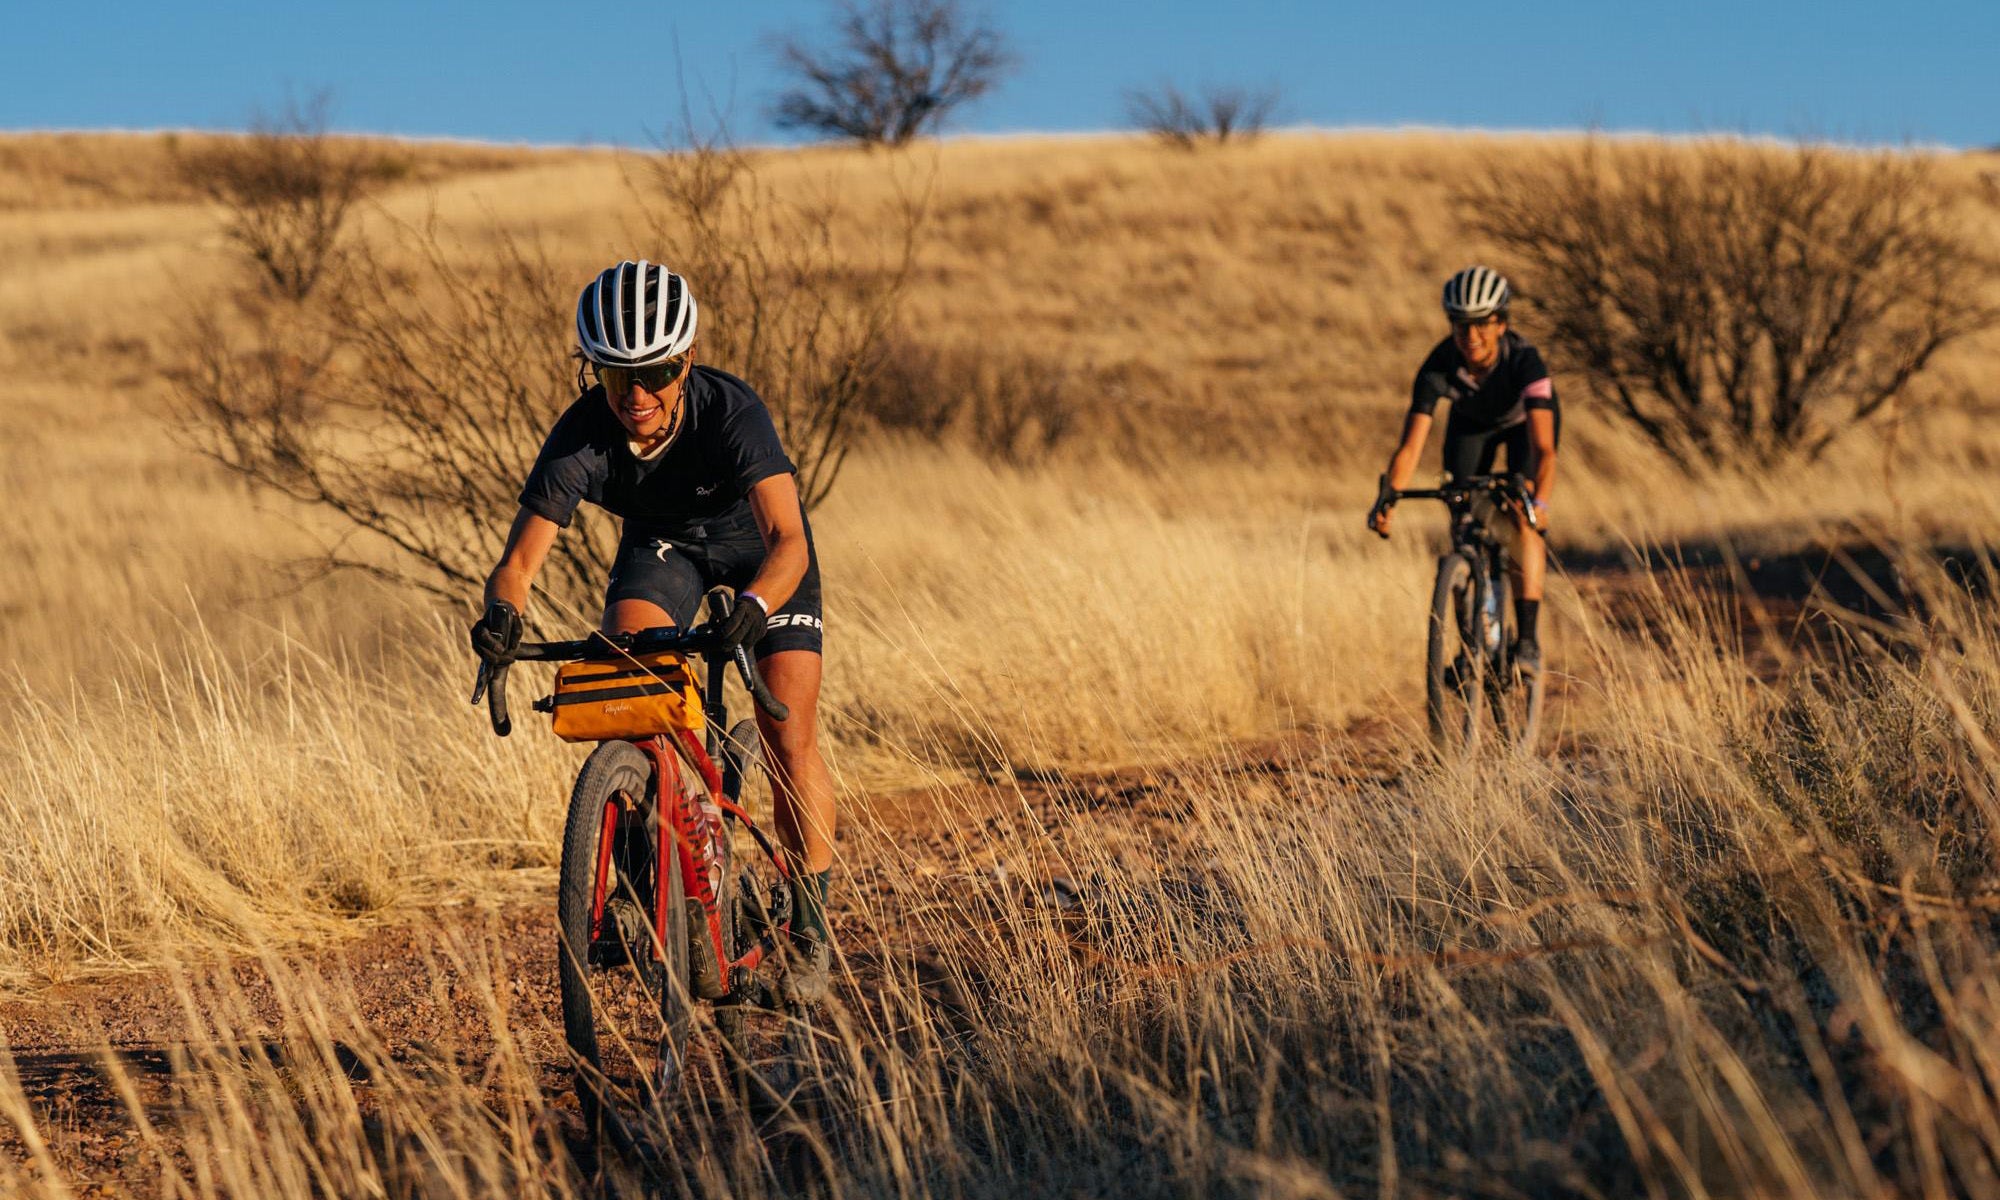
(635,314)
(1476,293)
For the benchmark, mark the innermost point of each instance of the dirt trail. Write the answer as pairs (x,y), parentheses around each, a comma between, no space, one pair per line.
(416,984)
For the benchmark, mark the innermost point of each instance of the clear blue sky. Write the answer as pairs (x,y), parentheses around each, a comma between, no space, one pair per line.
(605,72)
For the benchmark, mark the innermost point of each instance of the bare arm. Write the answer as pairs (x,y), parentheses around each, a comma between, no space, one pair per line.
(775,503)
(1542,435)
(1403,463)
(528,544)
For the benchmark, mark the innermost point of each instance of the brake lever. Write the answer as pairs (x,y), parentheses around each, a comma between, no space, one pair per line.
(753,682)
(491,684)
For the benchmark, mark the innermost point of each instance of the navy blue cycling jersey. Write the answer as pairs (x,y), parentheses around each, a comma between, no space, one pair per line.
(1517,383)
(699,486)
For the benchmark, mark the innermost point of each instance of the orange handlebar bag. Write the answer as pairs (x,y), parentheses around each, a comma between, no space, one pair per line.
(632,696)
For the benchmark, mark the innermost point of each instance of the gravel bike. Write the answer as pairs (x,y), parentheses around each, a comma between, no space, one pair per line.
(1469,659)
(654,913)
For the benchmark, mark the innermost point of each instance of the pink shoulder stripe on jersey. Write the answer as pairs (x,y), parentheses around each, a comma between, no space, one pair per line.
(1542,389)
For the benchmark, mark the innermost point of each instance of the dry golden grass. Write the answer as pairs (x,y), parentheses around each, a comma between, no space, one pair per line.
(1358,972)
(1735,946)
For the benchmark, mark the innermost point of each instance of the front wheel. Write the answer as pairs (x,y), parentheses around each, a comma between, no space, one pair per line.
(625,997)
(1455,661)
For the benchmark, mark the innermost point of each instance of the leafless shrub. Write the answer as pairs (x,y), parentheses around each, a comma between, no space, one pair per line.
(893,69)
(794,298)
(1741,301)
(411,407)
(286,189)
(1220,114)
(1015,411)
(411,403)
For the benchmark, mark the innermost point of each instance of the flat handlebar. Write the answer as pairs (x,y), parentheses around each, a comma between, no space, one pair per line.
(702,639)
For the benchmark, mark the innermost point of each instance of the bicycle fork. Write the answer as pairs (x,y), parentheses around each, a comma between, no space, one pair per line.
(1490,618)
(683,834)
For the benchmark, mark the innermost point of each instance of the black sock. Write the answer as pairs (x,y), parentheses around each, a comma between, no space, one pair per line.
(1525,612)
(809,906)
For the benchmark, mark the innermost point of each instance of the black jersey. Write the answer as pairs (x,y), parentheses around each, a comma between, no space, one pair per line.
(1517,383)
(727,444)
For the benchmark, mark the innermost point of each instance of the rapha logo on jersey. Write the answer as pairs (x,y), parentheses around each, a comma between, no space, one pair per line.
(660,549)
(705,491)
(783,619)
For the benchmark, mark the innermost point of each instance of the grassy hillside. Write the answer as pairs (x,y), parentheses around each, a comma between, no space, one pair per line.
(1727,938)
(1237,329)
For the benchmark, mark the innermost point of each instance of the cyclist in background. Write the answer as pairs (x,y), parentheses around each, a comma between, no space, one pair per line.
(1502,399)
(688,457)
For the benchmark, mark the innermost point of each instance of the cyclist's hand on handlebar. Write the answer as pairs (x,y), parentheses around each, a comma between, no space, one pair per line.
(1538,515)
(1385,502)
(497,633)
(1378,519)
(744,624)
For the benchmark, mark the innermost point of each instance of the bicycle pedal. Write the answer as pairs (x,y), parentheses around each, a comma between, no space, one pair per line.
(760,918)
(747,987)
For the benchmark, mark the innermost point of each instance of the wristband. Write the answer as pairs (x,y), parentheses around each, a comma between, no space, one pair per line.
(741,596)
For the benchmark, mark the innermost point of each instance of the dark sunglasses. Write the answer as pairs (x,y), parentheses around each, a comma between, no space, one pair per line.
(618,381)
(1461,325)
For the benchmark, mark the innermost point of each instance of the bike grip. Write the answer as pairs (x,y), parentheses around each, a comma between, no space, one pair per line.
(496,700)
(1385,499)
(754,683)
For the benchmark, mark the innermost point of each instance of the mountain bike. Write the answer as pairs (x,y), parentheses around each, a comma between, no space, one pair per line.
(653,914)
(1469,659)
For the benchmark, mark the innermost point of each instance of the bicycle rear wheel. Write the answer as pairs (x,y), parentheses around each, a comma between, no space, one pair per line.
(625,997)
(1516,698)
(1455,662)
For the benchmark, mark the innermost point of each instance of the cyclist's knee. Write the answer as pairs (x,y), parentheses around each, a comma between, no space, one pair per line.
(630,616)
(793,738)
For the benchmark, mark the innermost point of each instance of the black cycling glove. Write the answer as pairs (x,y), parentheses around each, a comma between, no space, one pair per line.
(497,633)
(744,624)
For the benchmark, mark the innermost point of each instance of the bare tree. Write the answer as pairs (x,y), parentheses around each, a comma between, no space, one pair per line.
(893,69)
(411,407)
(1220,114)
(410,403)
(1741,301)
(797,295)
(286,190)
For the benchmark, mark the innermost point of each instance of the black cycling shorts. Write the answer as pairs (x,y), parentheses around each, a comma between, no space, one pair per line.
(1475,451)
(676,573)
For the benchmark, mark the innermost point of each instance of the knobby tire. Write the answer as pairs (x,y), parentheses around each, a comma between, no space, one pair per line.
(626,1022)
(1454,665)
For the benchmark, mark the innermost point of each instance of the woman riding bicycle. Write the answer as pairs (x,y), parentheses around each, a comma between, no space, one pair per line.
(1501,398)
(687,456)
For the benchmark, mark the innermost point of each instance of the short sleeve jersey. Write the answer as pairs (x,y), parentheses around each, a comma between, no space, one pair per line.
(1517,383)
(727,445)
